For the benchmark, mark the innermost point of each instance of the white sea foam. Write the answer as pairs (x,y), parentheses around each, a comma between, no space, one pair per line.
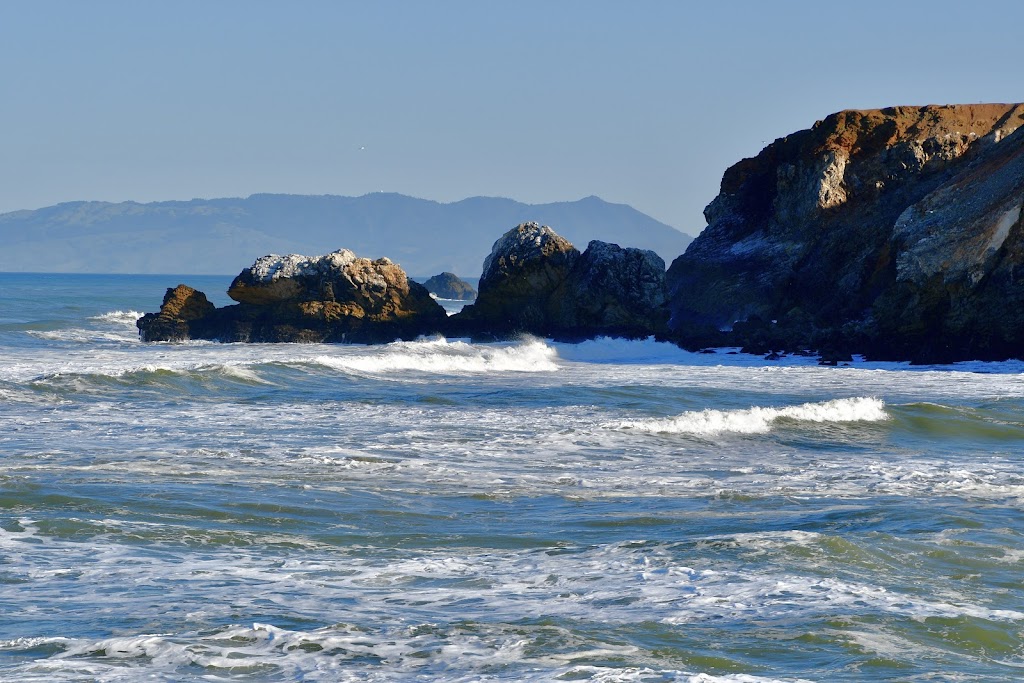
(760,420)
(448,357)
(119,317)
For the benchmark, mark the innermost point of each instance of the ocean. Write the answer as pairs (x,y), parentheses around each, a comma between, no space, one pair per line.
(527,511)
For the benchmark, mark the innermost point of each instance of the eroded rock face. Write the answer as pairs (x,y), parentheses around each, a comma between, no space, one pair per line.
(823,228)
(536,282)
(959,253)
(338,297)
(613,289)
(181,306)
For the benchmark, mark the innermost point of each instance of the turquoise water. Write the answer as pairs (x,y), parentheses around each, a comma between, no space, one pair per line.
(439,510)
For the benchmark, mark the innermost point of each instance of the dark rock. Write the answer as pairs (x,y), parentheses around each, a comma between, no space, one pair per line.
(834,357)
(450,286)
(611,289)
(896,232)
(334,298)
(181,306)
(525,266)
(537,282)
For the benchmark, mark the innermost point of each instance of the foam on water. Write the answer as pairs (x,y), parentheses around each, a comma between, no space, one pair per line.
(507,610)
(440,510)
(441,356)
(126,318)
(760,420)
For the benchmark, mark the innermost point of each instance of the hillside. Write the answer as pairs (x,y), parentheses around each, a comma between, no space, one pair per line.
(221,235)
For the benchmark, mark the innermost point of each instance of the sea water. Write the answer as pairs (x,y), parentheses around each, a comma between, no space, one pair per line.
(441,510)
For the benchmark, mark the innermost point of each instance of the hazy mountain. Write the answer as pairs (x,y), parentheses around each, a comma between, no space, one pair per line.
(225,235)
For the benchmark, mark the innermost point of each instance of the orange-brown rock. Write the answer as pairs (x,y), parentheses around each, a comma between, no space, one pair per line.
(181,305)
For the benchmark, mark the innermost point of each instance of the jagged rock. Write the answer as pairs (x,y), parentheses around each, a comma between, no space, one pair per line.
(611,289)
(338,297)
(181,305)
(450,286)
(886,230)
(537,282)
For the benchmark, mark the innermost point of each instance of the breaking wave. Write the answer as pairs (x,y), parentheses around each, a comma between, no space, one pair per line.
(759,420)
(445,357)
(120,317)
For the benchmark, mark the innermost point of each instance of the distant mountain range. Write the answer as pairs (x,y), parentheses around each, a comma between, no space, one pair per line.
(222,236)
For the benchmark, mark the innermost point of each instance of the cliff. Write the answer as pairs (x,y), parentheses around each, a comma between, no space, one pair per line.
(895,231)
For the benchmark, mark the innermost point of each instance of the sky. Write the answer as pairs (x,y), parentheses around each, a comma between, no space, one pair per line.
(641,102)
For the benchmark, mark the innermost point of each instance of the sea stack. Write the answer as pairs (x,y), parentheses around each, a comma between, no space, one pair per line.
(536,282)
(337,297)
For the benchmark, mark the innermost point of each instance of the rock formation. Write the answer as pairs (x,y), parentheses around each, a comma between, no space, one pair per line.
(893,231)
(612,290)
(535,281)
(450,286)
(180,307)
(524,268)
(334,298)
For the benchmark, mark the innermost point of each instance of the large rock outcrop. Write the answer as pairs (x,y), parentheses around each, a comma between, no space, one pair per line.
(612,290)
(893,231)
(536,282)
(338,297)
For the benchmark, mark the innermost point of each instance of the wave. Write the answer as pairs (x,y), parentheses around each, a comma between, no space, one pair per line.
(150,374)
(447,357)
(760,420)
(120,317)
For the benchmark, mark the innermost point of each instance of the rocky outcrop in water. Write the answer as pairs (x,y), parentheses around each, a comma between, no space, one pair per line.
(612,290)
(536,282)
(525,266)
(338,297)
(181,306)
(895,232)
(450,286)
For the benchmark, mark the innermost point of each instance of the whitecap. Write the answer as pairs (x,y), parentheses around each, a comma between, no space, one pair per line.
(119,317)
(448,357)
(761,420)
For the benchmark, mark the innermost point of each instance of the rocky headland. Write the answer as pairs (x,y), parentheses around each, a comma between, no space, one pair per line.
(892,232)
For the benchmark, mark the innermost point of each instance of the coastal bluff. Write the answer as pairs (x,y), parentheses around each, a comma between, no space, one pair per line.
(891,232)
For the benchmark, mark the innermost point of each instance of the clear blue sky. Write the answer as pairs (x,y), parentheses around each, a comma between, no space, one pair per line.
(644,103)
